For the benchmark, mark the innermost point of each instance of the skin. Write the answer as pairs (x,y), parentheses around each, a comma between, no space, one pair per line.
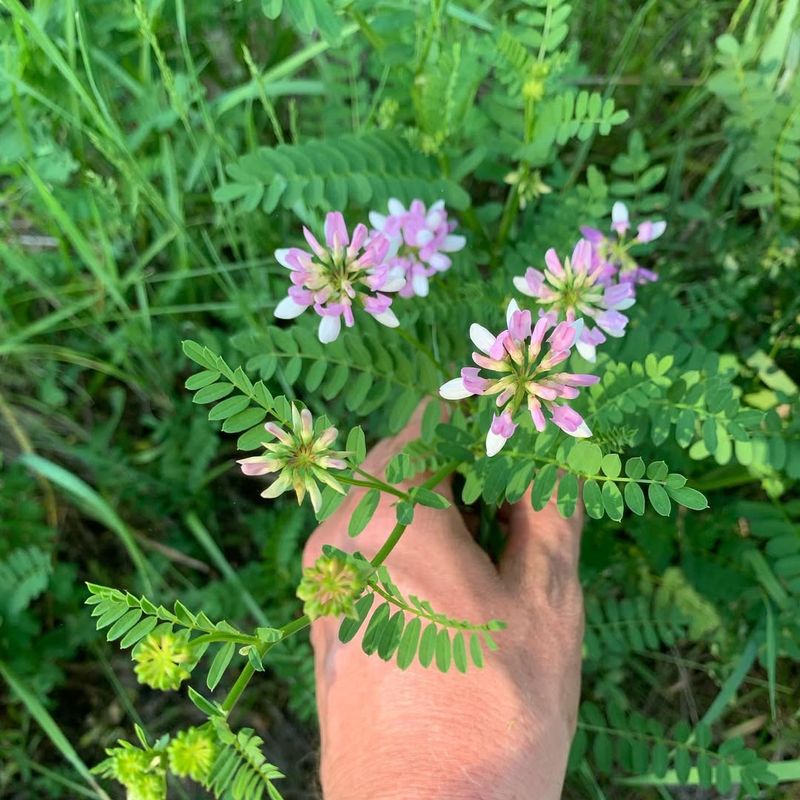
(499,733)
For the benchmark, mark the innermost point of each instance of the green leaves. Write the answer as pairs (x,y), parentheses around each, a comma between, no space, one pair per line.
(363,512)
(659,499)
(130,619)
(585,457)
(586,112)
(239,403)
(608,485)
(426,497)
(415,630)
(365,368)
(616,742)
(240,768)
(364,169)
(688,497)
(567,497)
(612,501)
(24,575)
(543,485)
(642,622)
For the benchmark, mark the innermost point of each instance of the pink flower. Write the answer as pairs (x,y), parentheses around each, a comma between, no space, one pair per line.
(614,253)
(420,240)
(517,371)
(576,289)
(331,279)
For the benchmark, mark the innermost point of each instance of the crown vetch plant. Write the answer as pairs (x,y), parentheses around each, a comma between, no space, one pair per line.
(434,259)
(523,375)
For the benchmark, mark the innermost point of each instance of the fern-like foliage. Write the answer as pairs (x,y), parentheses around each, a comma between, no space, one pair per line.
(764,116)
(444,93)
(24,575)
(631,624)
(241,770)
(238,403)
(615,743)
(699,406)
(409,629)
(545,25)
(123,611)
(365,368)
(529,64)
(362,169)
(230,764)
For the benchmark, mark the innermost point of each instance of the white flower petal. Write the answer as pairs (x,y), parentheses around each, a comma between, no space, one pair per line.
(581,432)
(481,338)
(420,285)
(329,328)
(440,262)
(387,318)
(423,237)
(658,229)
(377,220)
(513,307)
(280,257)
(394,246)
(452,243)
(521,285)
(619,213)
(395,280)
(454,390)
(288,309)
(277,487)
(396,208)
(494,443)
(588,351)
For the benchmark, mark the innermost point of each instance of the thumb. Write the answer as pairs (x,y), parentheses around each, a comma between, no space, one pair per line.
(542,550)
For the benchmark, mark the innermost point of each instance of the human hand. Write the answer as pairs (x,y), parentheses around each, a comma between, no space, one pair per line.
(497,733)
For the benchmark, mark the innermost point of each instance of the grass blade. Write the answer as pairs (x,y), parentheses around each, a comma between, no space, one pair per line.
(93,505)
(50,727)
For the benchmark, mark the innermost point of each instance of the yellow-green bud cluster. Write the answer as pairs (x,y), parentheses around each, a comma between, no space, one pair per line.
(191,753)
(330,587)
(161,660)
(141,772)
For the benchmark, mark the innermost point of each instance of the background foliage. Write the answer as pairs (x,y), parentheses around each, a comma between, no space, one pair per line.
(154,153)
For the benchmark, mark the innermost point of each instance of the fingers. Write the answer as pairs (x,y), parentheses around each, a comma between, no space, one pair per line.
(542,551)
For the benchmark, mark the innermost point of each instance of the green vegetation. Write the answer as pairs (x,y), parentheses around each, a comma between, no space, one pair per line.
(155,153)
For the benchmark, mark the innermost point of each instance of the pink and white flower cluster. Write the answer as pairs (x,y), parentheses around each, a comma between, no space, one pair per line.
(614,253)
(581,299)
(399,255)
(574,290)
(519,368)
(330,279)
(420,241)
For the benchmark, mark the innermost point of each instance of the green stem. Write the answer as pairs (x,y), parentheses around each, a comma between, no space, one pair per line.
(374,482)
(389,544)
(509,215)
(440,475)
(236,638)
(247,673)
